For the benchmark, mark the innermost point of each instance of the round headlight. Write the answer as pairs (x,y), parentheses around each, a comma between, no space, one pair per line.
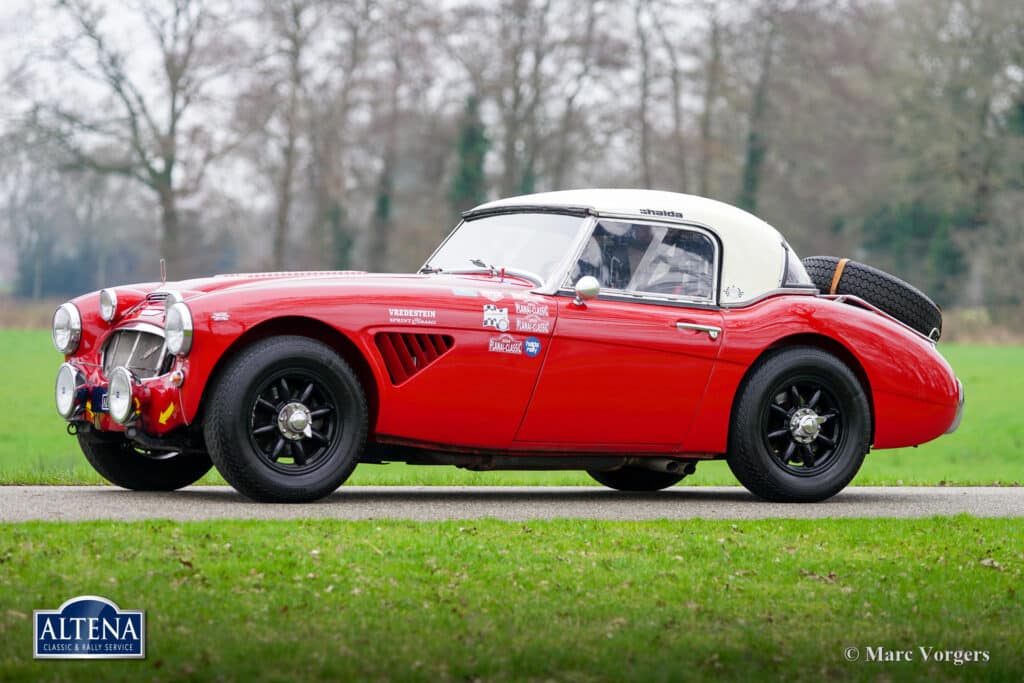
(178,329)
(108,304)
(67,328)
(66,390)
(119,395)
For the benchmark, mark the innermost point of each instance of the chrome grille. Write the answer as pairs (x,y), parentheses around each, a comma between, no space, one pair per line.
(141,352)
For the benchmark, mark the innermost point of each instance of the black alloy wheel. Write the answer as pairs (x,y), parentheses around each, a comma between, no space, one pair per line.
(286,420)
(295,420)
(801,426)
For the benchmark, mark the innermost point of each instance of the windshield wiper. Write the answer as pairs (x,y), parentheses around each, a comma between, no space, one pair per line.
(429,270)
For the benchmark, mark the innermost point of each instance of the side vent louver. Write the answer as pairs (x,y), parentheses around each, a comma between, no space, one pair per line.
(406,354)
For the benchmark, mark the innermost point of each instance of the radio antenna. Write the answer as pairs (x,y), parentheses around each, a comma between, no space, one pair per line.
(163,272)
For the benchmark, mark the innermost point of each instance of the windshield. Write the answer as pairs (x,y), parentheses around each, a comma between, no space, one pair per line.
(532,242)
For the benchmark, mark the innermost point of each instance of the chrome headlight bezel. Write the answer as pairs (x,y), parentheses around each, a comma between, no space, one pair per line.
(121,395)
(70,330)
(66,389)
(178,329)
(108,304)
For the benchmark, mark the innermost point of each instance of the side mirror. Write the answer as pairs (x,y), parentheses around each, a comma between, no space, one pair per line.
(587,287)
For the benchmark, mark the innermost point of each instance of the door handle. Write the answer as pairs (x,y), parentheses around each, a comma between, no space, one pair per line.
(712,331)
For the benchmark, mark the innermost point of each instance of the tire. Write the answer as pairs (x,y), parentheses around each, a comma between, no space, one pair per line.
(766,452)
(636,479)
(899,299)
(251,440)
(120,463)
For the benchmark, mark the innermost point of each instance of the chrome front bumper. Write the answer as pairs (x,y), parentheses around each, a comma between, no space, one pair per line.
(959,407)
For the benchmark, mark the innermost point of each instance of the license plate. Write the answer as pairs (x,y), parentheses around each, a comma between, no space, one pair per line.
(100,400)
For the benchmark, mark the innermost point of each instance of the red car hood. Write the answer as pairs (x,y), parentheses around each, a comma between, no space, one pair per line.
(343,279)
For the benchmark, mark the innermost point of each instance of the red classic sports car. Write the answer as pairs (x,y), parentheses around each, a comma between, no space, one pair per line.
(631,334)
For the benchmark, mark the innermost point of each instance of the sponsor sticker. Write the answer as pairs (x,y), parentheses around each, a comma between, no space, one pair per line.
(496,317)
(412,316)
(531,347)
(89,627)
(533,323)
(532,308)
(505,343)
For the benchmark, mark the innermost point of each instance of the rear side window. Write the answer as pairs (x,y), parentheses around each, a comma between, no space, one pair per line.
(795,275)
(649,259)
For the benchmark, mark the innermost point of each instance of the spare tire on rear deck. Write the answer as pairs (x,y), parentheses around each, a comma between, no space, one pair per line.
(899,299)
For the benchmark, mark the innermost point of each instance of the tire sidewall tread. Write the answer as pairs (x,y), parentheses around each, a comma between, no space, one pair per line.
(226,428)
(748,457)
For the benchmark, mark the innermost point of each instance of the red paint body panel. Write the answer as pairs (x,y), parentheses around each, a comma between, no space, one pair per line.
(614,376)
(619,373)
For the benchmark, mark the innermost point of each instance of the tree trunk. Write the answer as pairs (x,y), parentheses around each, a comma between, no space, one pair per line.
(284,191)
(380,236)
(757,144)
(645,67)
(170,237)
(710,93)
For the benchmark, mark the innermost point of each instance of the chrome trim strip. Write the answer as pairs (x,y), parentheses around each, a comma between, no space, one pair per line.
(959,407)
(805,291)
(140,326)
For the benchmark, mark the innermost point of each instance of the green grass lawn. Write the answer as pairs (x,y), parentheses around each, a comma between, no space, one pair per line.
(559,600)
(989,447)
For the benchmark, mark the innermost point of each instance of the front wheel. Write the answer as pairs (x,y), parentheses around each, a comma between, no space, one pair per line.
(286,421)
(801,427)
(125,465)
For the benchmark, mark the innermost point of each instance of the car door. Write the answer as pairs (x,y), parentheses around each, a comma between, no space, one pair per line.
(628,369)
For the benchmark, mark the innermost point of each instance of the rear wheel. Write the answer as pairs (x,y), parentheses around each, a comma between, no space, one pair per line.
(801,427)
(286,421)
(121,463)
(635,479)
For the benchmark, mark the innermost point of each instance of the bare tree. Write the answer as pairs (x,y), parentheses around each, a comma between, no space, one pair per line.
(645,92)
(293,22)
(147,133)
(333,99)
(712,78)
(757,144)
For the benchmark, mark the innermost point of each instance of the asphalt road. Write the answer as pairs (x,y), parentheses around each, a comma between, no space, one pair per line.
(70,503)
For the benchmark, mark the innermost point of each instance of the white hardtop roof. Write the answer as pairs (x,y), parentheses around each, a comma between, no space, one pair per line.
(753,253)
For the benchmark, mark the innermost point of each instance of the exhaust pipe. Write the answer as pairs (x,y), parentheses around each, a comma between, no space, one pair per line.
(681,467)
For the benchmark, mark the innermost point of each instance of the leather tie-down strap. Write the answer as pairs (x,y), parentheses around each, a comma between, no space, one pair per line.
(838,275)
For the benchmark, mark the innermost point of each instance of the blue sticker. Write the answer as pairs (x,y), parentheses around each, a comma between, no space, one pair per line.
(531,347)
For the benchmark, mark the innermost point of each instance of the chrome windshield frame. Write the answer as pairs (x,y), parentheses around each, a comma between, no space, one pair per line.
(561,270)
